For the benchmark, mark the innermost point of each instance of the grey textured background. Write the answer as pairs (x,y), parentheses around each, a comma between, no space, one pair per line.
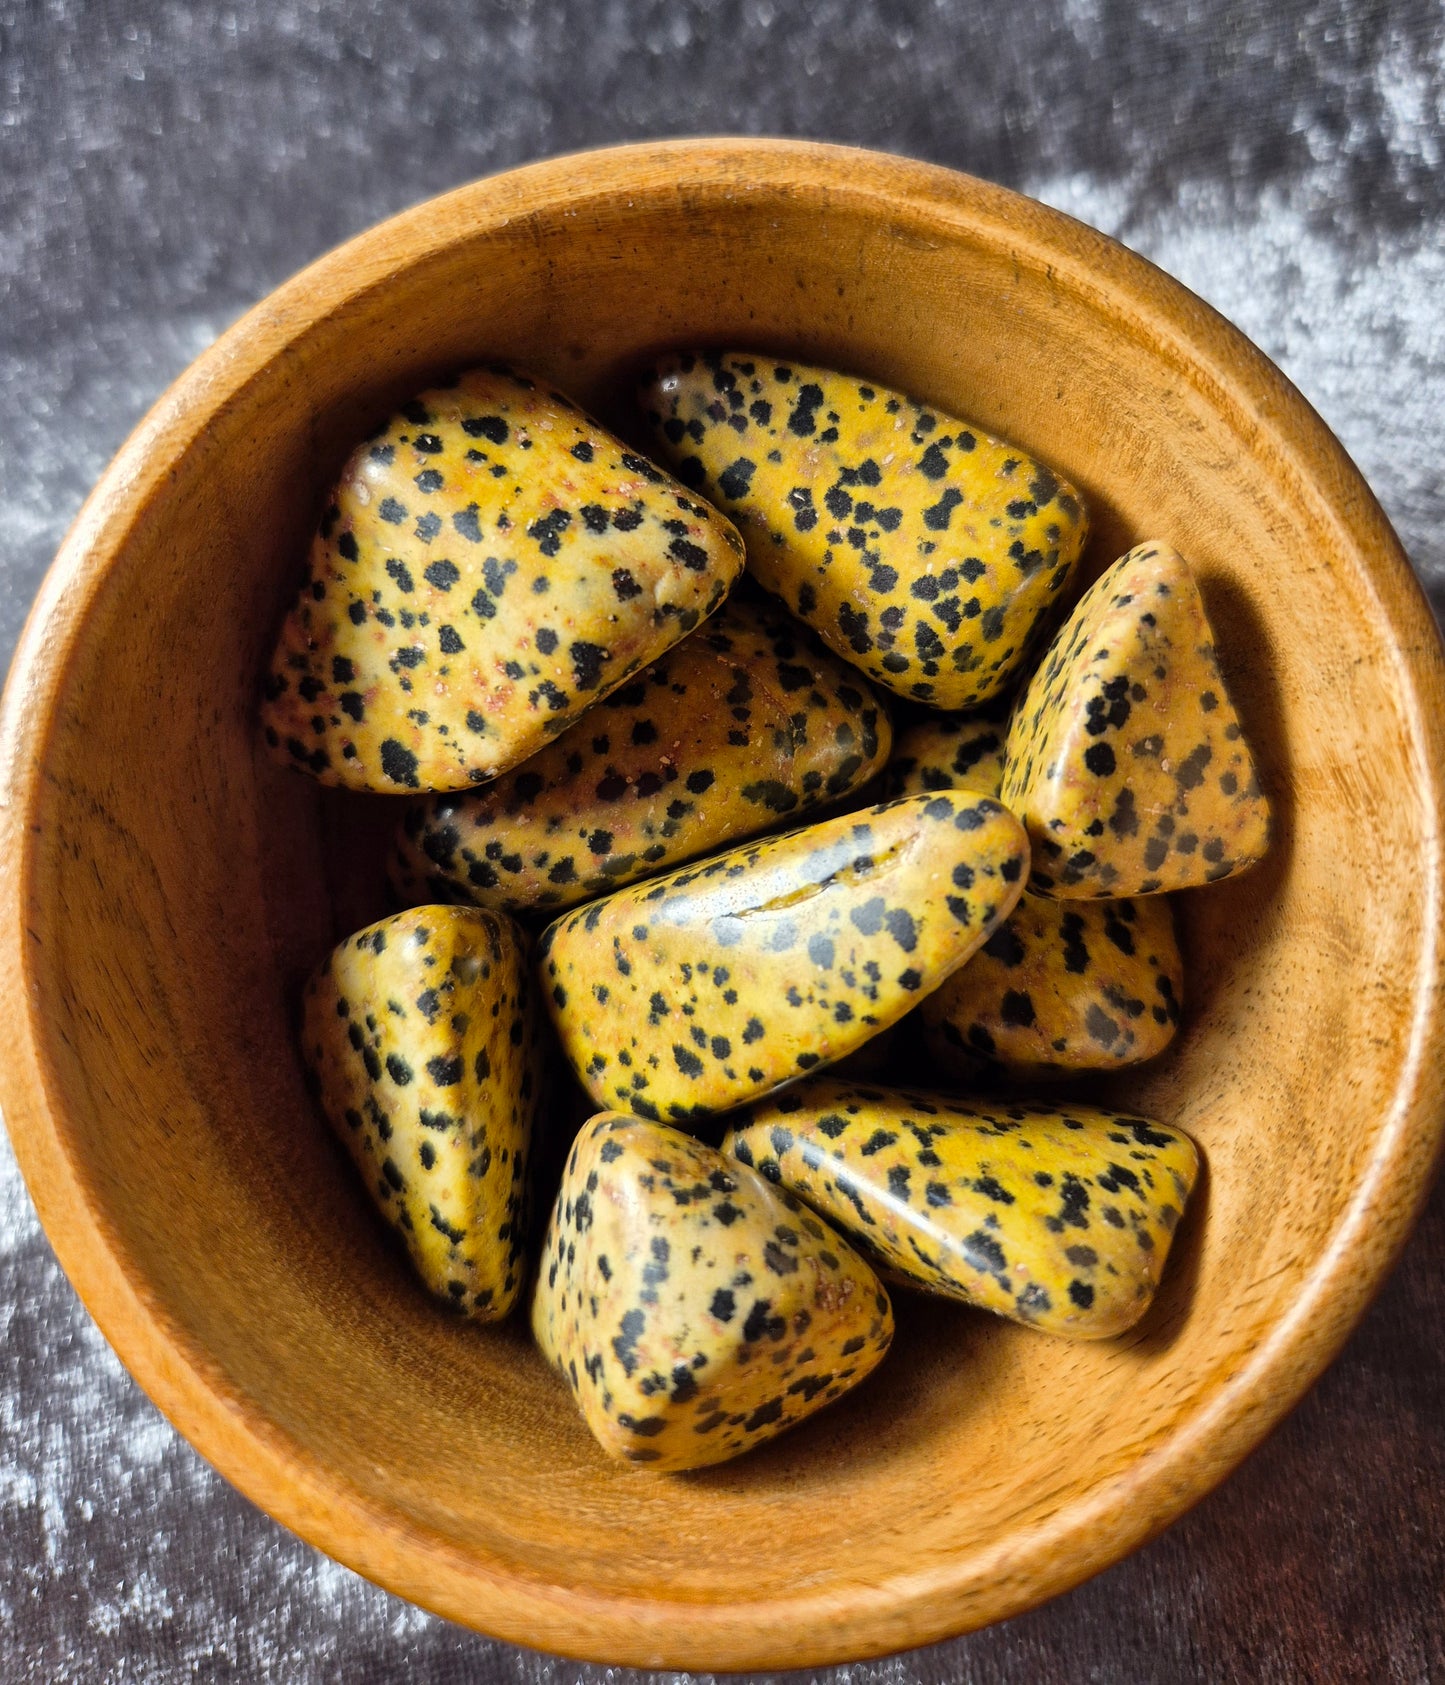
(162,166)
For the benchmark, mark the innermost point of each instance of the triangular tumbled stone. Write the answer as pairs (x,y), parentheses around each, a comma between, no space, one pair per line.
(694,1310)
(420,1039)
(490,564)
(1061,1219)
(716,984)
(1126,760)
(920,549)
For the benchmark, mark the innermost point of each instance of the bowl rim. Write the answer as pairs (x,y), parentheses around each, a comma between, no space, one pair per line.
(924,1603)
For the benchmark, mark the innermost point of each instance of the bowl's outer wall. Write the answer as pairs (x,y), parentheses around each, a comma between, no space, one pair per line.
(167,890)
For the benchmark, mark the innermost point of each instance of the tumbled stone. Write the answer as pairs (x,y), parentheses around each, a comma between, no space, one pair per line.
(715,984)
(1057,1218)
(421,1040)
(1126,760)
(925,552)
(490,564)
(747,722)
(694,1310)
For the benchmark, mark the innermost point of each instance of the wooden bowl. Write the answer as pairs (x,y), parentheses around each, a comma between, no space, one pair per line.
(167,889)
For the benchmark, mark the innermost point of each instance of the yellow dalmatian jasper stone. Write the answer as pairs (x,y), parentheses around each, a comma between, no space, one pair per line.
(745,722)
(490,564)
(716,984)
(1062,986)
(694,1310)
(951,752)
(1057,1218)
(421,1042)
(1125,757)
(923,551)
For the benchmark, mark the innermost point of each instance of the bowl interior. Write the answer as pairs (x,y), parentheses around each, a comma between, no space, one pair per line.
(178,887)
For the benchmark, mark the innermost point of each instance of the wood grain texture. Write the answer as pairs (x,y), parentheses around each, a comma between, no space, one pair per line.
(170,890)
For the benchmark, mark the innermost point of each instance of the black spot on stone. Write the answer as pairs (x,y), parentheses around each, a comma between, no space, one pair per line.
(1099,758)
(868,918)
(983,1253)
(1189,774)
(486,427)
(691,555)
(902,928)
(1005,947)
(761,1322)
(1017,1008)
(734,480)
(938,515)
(624,1344)
(587,662)
(687,1061)
(641,466)
(770,793)
(399,764)
(803,420)
(1101,1027)
(548,529)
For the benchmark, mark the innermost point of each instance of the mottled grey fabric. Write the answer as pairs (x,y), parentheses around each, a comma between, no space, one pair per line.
(163,165)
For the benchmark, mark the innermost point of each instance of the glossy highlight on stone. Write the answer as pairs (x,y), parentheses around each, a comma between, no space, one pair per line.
(1126,760)
(491,563)
(1061,1219)
(746,722)
(694,1310)
(925,552)
(420,1038)
(716,984)
(1062,986)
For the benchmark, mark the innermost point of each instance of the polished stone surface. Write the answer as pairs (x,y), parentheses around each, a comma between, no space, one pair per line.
(164,164)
